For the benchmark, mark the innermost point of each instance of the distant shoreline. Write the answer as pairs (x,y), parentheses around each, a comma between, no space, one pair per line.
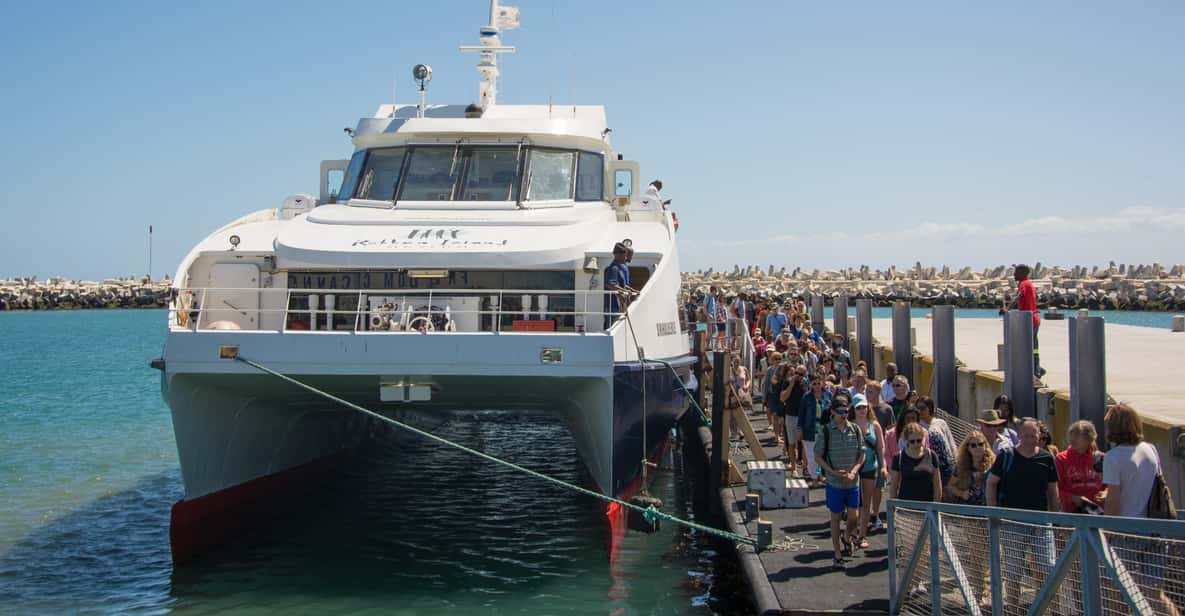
(1145,288)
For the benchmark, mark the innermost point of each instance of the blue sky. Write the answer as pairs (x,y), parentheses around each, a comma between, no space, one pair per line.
(799,134)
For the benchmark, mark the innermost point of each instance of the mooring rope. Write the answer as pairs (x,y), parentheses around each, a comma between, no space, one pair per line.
(649,513)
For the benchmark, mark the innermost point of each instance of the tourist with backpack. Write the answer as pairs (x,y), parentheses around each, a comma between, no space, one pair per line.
(839,451)
(1024,477)
(1136,489)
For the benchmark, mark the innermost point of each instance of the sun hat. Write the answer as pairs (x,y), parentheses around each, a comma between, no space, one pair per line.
(991,417)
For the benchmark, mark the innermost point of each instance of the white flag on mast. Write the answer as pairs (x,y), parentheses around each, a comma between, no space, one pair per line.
(507,18)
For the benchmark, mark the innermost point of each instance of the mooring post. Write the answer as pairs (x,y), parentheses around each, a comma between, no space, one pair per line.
(1018,370)
(752,506)
(864,334)
(945,370)
(839,317)
(1088,370)
(719,436)
(902,338)
(817,301)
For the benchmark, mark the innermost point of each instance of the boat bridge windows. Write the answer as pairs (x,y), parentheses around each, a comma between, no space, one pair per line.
(472,173)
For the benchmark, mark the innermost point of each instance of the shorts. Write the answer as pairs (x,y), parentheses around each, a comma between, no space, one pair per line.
(780,411)
(720,327)
(870,475)
(791,429)
(840,498)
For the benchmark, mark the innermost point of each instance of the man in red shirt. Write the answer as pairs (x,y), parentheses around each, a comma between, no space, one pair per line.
(1026,299)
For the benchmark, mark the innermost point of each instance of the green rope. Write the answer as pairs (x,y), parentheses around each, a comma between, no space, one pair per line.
(649,513)
(690,396)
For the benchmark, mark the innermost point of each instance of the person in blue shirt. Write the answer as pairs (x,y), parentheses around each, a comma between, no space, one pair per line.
(812,413)
(710,310)
(617,277)
(775,323)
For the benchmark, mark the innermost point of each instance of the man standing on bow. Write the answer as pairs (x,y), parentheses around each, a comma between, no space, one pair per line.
(617,278)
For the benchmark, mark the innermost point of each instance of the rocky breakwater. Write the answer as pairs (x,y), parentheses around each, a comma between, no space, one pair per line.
(60,294)
(1114,287)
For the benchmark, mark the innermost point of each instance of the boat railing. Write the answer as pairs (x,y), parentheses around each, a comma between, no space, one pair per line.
(393,310)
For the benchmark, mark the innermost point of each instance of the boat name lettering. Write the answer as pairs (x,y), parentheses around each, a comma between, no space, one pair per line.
(667,328)
(428,237)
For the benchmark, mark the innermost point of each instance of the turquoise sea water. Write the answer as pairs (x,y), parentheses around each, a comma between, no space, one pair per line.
(88,471)
(1163,320)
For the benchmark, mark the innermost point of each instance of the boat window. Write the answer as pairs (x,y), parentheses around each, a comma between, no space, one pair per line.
(350,182)
(624,180)
(490,174)
(590,177)
(550,175)
(380,176)
(431,174)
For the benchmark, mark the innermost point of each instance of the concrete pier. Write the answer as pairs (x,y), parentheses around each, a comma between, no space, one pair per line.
(1141,368)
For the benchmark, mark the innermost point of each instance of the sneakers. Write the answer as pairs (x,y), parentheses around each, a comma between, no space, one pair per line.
(876,526)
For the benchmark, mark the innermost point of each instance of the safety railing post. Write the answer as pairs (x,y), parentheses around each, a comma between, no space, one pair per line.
(995,578)
(894,600)
(284,313)
(935,563)
(1090,582)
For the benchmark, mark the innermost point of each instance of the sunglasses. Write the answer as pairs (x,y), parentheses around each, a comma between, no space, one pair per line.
(840,411)
(975,445)
(914,441)
(896,385)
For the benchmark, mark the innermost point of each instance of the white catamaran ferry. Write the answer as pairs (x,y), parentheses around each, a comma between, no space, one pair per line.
(460,265)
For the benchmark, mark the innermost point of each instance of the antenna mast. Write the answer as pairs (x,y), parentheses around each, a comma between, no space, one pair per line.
(501,18)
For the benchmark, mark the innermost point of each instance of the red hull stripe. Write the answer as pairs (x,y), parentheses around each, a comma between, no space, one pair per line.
(198,524)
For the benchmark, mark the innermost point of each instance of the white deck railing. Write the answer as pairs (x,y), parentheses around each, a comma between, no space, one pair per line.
(391,310)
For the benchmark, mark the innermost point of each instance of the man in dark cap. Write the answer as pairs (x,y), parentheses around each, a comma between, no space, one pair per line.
(617,278)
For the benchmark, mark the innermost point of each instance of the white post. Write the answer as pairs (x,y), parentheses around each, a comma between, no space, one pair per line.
(313,300)
(526,306)
(330,304)
(543,307)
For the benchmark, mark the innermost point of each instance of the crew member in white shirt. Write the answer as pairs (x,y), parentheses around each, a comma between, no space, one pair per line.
(652,200)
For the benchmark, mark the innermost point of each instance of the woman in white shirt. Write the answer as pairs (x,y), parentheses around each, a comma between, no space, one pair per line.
(1130,468)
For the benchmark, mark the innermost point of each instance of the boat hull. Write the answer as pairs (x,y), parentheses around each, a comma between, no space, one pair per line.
(244,439)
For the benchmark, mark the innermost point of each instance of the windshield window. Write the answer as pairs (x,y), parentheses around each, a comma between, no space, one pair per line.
(489,175)
(474,173)
(380,176)
(350,183)
(590,177)
(432,174)
(550,173)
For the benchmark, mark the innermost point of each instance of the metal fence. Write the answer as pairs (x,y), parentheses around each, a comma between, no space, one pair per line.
(961,559)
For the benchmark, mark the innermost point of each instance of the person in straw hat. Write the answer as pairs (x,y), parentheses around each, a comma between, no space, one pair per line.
(991,424)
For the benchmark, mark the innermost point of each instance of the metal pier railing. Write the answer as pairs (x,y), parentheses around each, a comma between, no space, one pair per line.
(960,559)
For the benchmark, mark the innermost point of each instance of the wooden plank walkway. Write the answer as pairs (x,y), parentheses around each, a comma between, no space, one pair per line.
(798,571)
